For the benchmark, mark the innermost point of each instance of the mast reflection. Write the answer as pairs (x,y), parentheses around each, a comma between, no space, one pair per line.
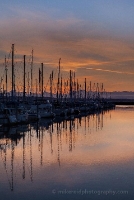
(44,140)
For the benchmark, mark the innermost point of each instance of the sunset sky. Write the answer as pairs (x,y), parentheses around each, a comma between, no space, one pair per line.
(95,38)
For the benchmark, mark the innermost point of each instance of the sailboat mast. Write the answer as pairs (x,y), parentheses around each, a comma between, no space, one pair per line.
(59,67)
(70,84)
(32,73)
(102,91)
(50,86)
(58,89)
(90,88)
(28,84)
(85,89)
(42,79)
(12,70)
(24,87)
(61,89)
(77,89)
(6,74)
(36,87)
(74,87)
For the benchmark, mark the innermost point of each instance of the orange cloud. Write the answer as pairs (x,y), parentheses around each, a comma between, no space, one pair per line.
(79,44)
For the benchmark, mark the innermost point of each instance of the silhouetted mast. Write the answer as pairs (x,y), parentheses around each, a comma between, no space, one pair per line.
(61,89)
(36,87)
(77,89)
(102,91)
(42,79)
(28,84)
(90,88)
(6,74)
(59,67)
(32,73)
(74,87)
(97,90)
(70,85)
(58,80)
(39,80)
(85,89)
(24,77)
(51,78)
(12,70)
(52,85)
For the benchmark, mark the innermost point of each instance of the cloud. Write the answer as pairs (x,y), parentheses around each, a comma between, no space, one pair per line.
(80,44)
(111,71)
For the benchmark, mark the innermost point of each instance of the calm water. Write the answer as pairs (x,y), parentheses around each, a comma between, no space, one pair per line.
(80,158)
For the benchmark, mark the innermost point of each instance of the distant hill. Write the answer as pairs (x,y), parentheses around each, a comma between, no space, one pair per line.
(112,95)
(122,95)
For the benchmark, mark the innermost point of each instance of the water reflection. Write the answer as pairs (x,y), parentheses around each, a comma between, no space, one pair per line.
(32,137)
(79,152)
